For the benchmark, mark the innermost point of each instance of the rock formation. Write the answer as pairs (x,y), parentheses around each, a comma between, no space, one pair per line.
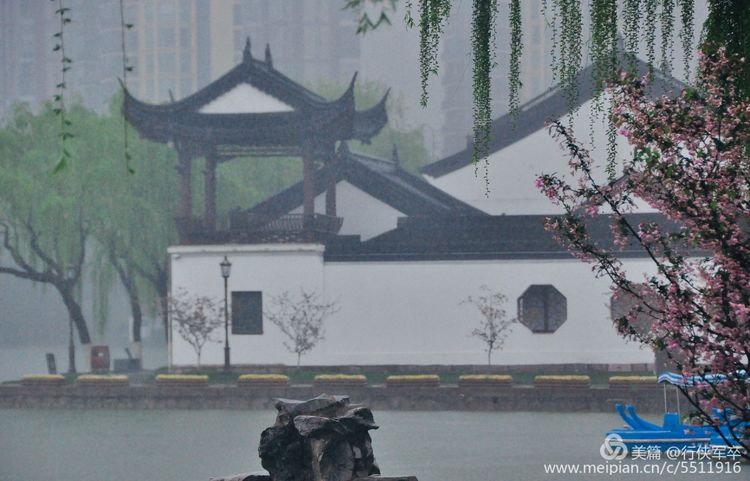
(322,439)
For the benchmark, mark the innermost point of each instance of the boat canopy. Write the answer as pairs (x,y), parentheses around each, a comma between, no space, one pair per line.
(680,380)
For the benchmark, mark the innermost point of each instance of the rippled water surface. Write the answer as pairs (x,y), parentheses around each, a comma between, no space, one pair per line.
(65,445)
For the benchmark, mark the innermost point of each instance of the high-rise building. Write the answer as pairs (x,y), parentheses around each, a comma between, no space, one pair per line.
(311,40)
(25,46)
(175,46)
(456,67)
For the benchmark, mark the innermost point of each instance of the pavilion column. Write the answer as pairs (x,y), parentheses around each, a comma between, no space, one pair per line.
(308,182)
(331,196)
(186,195)
(209,184)
(331,184)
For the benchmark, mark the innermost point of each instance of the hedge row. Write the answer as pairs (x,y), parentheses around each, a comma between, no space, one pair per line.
(347,381)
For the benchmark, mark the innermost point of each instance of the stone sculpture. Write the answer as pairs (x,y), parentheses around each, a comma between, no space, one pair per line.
(322,439)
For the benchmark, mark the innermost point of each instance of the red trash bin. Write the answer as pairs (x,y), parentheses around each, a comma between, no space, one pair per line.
(100,358)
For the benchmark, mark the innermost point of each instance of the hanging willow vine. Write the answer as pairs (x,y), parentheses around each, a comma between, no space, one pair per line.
(650,32)
(59,109)
(640,21)
(567,60)
(631,23)
(126,68)
(604,69)
(667,30)
(687,21)
(433,14)
(483,29)
(516,50)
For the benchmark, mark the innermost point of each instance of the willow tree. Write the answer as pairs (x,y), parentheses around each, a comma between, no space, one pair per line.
(133,222)
(643,25)
(44,226)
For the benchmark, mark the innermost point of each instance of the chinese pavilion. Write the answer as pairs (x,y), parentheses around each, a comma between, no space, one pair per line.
(254,110)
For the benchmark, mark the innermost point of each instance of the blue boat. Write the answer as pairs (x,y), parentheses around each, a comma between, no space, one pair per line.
(673,433)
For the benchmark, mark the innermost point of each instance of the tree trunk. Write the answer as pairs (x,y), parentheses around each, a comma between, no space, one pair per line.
(299,359)
(161,284)
(198,365)
(127,278)
(489,357)
(75,313)
(135,308)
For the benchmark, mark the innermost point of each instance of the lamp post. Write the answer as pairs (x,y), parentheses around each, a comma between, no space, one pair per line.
(70,275)
(226,269)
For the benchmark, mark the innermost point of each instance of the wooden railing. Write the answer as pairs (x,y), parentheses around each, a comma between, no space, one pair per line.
(253,229)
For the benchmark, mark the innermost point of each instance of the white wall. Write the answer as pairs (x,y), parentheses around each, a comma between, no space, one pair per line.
(244,99)
(363,214)
(408,312)
(514,169)
(266,268)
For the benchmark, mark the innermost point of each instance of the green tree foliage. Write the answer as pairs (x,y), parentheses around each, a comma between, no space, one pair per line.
(133,220)
(125,219)
(44,217)
(728,25)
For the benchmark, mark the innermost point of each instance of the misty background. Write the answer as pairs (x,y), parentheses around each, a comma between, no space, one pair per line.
(178,46)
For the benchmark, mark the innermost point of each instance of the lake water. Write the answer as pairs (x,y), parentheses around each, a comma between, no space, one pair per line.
(68,445)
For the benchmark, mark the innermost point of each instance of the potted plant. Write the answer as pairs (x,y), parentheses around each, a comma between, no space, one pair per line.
(182,380)
(43,380)
(485,381)
(628,383)
(98,380)
(263,381)
(413,381)
(562,382)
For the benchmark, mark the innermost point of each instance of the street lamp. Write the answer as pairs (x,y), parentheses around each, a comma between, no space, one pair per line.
(226,269)
(70,275)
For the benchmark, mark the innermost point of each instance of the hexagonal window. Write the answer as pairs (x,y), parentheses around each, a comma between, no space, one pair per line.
(622,303)
(542,308)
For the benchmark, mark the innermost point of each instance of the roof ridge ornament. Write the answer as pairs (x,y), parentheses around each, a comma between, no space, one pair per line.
(269,60)
(247,54)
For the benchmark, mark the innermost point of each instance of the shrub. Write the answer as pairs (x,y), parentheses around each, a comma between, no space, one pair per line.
(417,380)
(632,379)
(43,380)
(263,377)
(633,382)
(96,379)
(182,380)
(340,378)
(182,377)
(489,378)
(556,378)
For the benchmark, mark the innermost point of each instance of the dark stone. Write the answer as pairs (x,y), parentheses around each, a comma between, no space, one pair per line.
(321,439)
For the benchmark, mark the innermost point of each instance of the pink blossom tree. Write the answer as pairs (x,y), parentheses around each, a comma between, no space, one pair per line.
(690,163)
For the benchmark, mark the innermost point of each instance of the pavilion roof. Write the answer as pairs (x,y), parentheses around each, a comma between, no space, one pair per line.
(304,115)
